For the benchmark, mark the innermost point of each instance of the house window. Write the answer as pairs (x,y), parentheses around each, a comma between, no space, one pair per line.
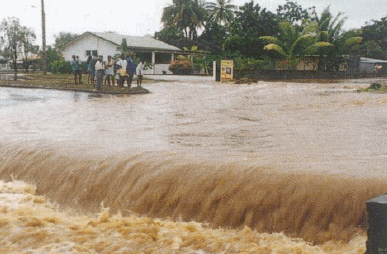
(146,56)
(91,52)
(163,58)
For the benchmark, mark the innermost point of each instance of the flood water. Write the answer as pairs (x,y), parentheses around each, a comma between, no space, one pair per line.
(296,158)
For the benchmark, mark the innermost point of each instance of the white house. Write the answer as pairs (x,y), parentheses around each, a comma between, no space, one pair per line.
(153,51)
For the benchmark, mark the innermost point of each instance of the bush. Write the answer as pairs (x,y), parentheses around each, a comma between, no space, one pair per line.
(179,67)
(246,67)
(60,66)
(247,64)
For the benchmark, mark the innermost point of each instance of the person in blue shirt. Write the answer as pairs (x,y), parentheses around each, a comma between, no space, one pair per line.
(75,63)
(89,70)
(130,68)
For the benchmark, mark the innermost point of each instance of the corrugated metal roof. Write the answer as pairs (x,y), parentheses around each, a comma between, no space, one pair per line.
(145,42)
(371,60)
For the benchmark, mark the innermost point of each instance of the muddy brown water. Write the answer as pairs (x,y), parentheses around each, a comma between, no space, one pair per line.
(278,157)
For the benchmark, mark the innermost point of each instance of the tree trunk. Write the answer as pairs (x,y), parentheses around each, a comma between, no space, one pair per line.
(44,39)
(15,64)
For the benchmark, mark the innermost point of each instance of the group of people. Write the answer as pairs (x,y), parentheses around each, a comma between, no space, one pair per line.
(122,70)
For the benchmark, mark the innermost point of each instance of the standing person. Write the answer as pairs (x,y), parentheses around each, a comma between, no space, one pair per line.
(139,72)
(110,70)
(116,71)
(92,66)
(100,69)
(75,63)
(130,68)
(122,70)
(79,70)
(89,69)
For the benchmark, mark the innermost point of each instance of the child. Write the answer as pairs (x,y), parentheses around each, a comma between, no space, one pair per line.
(139,72)
(110,71)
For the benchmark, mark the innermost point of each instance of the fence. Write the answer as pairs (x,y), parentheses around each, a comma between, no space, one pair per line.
(306,68)
(295,74)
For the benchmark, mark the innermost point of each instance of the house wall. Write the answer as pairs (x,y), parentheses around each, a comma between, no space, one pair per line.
(105,48)
(367,68)
(158,69)
(89,42)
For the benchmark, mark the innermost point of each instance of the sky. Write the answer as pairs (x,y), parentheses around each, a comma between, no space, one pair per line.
(142,17)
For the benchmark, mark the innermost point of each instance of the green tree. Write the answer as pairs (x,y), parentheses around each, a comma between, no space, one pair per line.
(123,48)
(251,22)
(375,39)
(186,15)
(351,42)
(293,12)
(15,38)
(329,29)
(53,55)
(28,47)
(215,35)
(373,49)
(170,35)
(221,12)
(292,43)
(64,38)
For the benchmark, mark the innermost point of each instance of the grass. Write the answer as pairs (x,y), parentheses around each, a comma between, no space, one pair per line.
(66,82)
(375,88)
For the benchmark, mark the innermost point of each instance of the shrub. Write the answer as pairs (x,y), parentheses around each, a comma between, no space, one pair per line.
(246,67)
(60,66)
(180,67)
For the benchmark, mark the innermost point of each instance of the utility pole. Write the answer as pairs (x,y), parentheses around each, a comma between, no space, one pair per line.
(44,60)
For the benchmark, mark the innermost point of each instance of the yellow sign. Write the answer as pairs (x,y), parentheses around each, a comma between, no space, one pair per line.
(226,70)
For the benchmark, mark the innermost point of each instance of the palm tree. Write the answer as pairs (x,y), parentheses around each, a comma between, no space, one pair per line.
(186,15)
(322,37)
(329,29)
(293,43)
(331,26)
(221,12)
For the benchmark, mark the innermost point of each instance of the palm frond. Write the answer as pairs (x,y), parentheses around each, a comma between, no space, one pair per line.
(314,47)
(322,44)
(269,39)
(353,41)
(275,48)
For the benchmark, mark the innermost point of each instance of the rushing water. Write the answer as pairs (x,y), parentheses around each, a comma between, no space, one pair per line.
(277,157)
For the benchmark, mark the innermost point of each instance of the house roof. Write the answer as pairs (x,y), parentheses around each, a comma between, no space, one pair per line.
(371,60)
(137,42)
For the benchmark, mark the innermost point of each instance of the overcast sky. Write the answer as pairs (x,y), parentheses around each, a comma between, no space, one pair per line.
(141,17)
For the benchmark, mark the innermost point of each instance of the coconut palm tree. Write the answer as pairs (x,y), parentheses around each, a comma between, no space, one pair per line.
(186,15)
(322,37)
(221,12)
(329,29)
(293,41)
(332,26)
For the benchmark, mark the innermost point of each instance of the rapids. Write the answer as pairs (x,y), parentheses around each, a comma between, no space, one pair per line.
(276,157)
